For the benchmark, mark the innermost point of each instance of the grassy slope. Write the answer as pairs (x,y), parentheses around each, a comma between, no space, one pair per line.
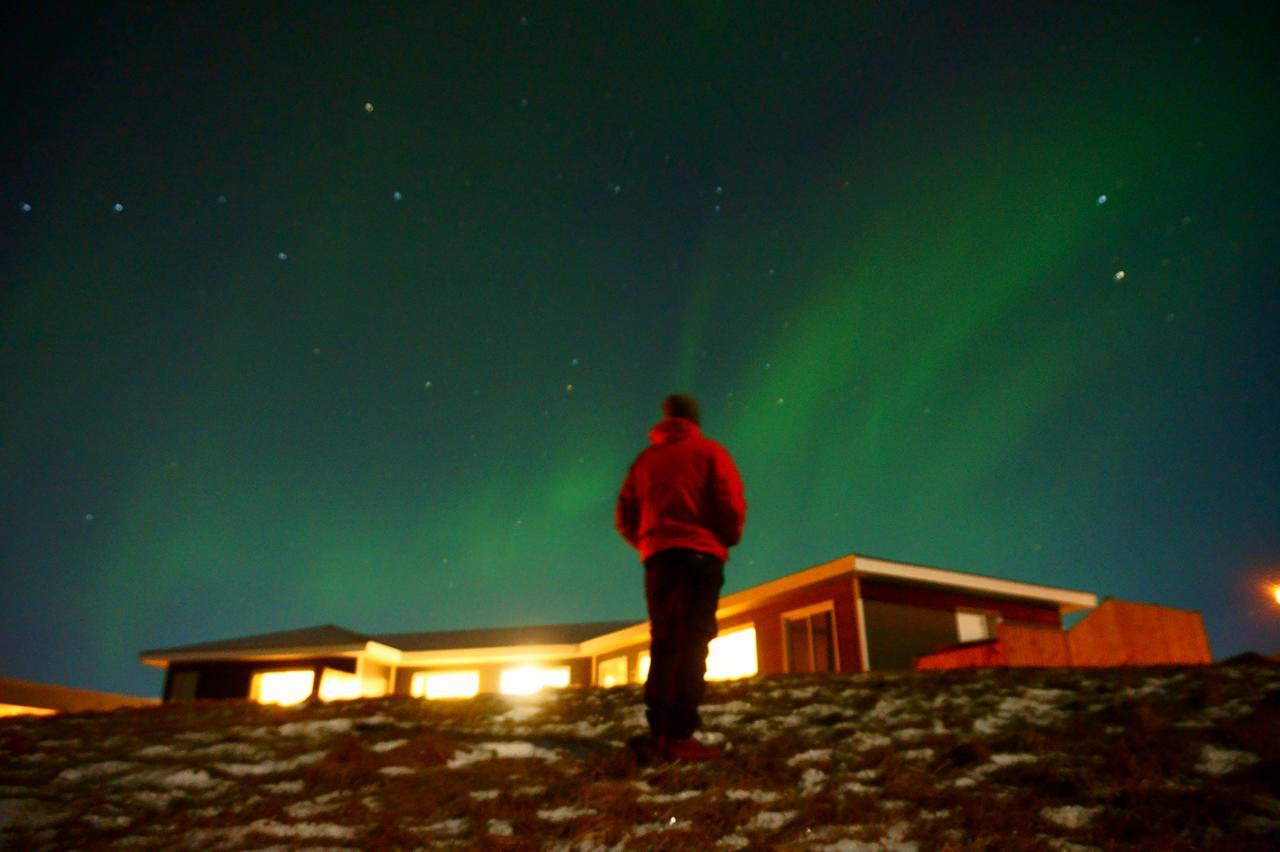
(1170,758)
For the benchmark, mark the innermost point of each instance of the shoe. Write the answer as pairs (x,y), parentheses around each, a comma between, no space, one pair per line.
(688,750)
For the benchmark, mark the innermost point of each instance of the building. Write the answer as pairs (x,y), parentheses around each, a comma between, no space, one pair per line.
(853,614)
(22,698)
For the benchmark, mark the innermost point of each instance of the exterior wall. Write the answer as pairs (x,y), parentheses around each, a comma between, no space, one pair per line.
(1034,646)
(897,633)
(1117,633)
(231,679)
(876,589)
(580,672)
(632,653)
(966,656)
(766,616)
(1120,633)
(906,622)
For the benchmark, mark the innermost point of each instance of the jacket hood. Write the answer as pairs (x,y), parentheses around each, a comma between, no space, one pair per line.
(673,429)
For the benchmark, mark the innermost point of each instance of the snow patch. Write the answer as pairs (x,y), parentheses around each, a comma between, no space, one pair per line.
(388,745)
(270,767)
(490,751)
(317,728)
(564,814)
(769,820)
(812,782)
(813,755)
(760,797)
(95,770)
(328,831)
(668,798)
(1220,761)
(1070,816)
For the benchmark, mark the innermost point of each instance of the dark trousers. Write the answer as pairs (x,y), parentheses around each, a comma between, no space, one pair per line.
(682,589)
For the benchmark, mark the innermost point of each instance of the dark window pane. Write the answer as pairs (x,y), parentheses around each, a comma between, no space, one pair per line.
(798,646)
(824,652)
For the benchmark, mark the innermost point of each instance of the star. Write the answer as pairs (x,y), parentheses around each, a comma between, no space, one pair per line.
(1102,199)
(118,207)
(1119,276)
(24,207)
(368,107)
(396,196)
(281,256)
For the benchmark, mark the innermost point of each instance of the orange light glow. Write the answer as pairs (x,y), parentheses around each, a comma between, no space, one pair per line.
(288,687)
(444,685)
(1275,593)
(732,655)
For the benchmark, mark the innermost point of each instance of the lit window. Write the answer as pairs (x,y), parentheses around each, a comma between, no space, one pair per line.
(972,626)
(338,686)
(289,687)
(642,670)
(445,684)
(613,672)
(527,680)
(23,710)
(732,655)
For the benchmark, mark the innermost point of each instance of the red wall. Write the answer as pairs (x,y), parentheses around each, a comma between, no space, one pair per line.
(767,618)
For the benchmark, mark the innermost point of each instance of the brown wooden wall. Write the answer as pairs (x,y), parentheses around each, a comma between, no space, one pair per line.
(967,656)
(1122,633)
(1117,633)
(766,616)
(1034,646)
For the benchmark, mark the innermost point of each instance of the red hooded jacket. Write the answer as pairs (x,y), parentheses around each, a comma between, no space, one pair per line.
(682,491)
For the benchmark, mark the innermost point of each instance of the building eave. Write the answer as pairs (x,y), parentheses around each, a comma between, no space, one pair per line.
(501,654)
(1067,600)
(162,659)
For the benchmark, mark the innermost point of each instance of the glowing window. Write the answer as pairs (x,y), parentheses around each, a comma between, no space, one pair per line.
(642,670)
(24,710)
(973,626)
(288,687)
(339,686)
(733,655)
(527,680)
(445,684)
(612,672)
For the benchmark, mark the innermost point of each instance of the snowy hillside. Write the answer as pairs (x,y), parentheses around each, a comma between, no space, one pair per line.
(1177,758)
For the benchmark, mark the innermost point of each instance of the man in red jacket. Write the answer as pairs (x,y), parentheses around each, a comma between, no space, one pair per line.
(682,507)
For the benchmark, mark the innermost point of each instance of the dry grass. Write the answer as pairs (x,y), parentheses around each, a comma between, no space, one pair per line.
(1171,758)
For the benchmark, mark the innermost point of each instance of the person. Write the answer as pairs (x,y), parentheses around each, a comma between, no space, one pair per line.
(682,507)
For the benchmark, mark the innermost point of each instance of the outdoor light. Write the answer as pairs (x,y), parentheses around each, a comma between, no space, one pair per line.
(445,685)
(527,680)
(290,687)
(339,686)
(732,655)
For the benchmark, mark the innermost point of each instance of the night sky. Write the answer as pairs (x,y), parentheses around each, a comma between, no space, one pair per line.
(343,314)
